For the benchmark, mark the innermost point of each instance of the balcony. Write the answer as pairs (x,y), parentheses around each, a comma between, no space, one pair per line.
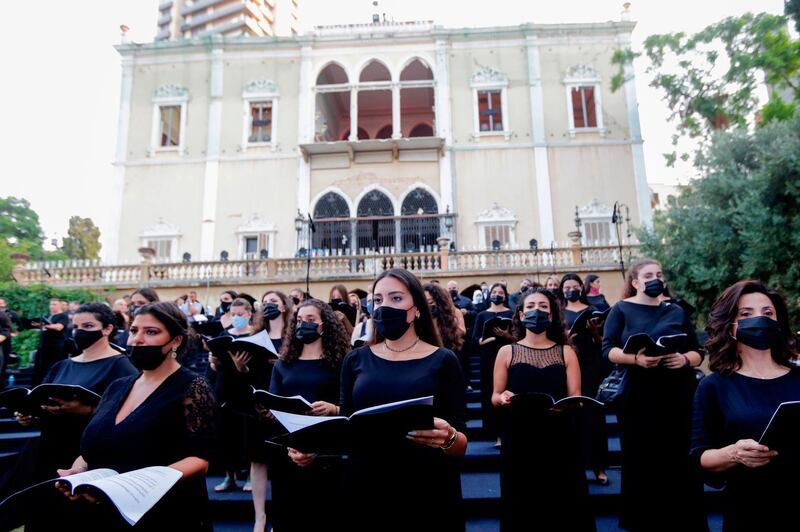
(331,268)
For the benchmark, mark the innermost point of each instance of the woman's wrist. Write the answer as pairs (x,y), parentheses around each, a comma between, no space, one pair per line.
(687,359)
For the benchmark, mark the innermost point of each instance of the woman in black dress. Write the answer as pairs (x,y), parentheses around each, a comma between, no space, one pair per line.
(593,295)
(541,463)
(594,368)
(655,414)
(487,348)
(412,484)
(62,422)
(750,346)
(162,416)
(310,366)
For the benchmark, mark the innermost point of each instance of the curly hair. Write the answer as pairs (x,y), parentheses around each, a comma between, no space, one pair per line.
(443,312)
(335,342)
(722,354)
(555,332)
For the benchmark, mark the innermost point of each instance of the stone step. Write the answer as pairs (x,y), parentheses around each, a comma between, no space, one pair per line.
(14,441)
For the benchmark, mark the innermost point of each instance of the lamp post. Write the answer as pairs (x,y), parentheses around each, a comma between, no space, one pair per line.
(617,219)
(535,248)
(298,226)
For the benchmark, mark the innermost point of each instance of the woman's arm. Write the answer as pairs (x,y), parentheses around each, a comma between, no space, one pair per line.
(573,371)
(191,466)
(500,395)
(749,453)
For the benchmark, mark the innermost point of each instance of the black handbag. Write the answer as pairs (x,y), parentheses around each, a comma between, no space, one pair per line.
(613,388)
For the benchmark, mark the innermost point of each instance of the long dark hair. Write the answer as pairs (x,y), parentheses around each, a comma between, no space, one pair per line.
(633,273)
(287,311)
(422,325)
(571,277)
(101,313)
(148,293)
(173,320)
(723,356)
(341,291)
(506,302)
(444,313)
(335,342)
(556,330)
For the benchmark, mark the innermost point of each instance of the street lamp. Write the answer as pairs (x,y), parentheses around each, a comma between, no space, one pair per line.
(534,244)
(298,226)
(616,219)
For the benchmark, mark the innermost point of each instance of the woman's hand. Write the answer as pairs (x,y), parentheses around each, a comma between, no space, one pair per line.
(240,360)
(68,407)
(502,333)
(750,453)
(644,361)
(438,436)
(321,408)
(78,467)
(674,361)
(301,459)
(264,414)
(484,341)
(213,361)
(502,399)
(24,420)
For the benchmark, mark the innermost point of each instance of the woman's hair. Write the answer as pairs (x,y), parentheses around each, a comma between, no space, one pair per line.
(722,354)
(556,330)
(335,341)
(590,278)
(633,273)
(341,292)
(101,313)
(571,277)
(233,293)
(148,293)
(173,320)
(444,314)
(239,302)
(5,321)
(287,311)
(505,291)
(422,325)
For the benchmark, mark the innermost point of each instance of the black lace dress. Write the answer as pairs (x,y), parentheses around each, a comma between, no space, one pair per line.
(176,421)
(541,463)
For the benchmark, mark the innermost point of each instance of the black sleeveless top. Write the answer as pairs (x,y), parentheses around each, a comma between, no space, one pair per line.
(537,370)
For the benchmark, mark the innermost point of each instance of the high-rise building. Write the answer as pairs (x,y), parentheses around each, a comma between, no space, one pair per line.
(179,19)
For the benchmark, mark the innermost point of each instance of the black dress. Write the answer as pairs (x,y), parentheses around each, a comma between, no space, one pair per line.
(594,368)
(176,421)
(395,486)
(655,427)
(488,355)
(315,380)
(599,302)
(59,443)
(728,408)
(541,465)
(51,347)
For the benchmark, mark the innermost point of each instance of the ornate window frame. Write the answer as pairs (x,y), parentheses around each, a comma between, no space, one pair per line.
(260,90)
(499,217)
(487,79)
(583,75)
(168,95)
(595,212)
(162,231)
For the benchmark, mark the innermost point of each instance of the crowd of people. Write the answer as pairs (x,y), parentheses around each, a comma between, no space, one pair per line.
(169,400)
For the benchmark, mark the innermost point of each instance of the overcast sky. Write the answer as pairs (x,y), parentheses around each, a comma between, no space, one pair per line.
(59,93)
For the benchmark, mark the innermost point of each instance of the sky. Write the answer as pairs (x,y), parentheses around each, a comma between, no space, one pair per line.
(59,94)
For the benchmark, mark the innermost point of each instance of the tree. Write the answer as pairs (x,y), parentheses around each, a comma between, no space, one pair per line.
(741,220)
(19,223)
(710,79)
(83,240)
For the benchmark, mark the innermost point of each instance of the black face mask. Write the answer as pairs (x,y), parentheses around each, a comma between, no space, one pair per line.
(225,306)
(497,300)
(148,357)
(759,332)
(572,295)
(391,322)
(654,287)
(307,332)
(536,321)
(296,300)
(85,339)
(271,311)
(132,310)
(335,302)
(453,294)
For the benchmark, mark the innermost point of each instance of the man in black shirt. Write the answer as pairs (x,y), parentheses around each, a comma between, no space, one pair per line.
(52,339)
(13,316)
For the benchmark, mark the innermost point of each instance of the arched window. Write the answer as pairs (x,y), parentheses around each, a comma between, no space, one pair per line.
(419,227)
(374,71)
(376,227)
(362,134)
(331,221)
(417,102)
(385,132)
(374,96)
(332,114)
(421,130)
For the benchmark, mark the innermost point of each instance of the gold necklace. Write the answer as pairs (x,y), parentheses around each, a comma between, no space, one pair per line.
(386,345)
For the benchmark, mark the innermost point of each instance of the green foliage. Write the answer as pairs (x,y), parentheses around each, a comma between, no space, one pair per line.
(18,222)
(710,79)
(777,110)
(34,300)
(741,220)
(792,10)
(25,343)
(83,240)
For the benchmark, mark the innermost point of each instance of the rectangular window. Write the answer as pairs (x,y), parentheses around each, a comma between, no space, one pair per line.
(260,122)
(583,108)
(170,125)
(163,248)
(251,247)
(499,233)
(597,232)
(490,112)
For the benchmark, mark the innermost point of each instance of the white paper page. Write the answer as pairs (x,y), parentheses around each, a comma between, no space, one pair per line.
(298,397)
(261,338)
(391,406)
(295,422)
(135,492)
(87,476)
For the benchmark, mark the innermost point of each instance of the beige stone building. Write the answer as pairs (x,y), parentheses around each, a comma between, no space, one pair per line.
(391,136)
